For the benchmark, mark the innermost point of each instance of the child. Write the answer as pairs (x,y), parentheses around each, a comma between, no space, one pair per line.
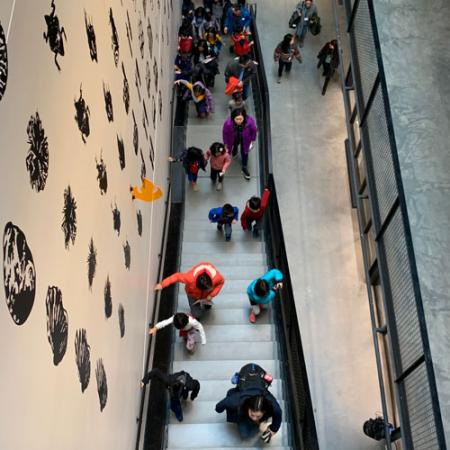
(224,217)
(254,211)
(202,97)
(214,41)
(241,43)
(263,290)
(236,102)
(189,328)
(285,52)
(202,283)
(183,66)
(193,160)
(178,384)
(220,161)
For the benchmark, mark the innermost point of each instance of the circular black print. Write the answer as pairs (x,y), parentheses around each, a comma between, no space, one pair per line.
(37,157)
(3,62)
(19,274)
(57,324)
(83,358)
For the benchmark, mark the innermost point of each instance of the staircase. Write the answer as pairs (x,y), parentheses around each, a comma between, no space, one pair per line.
(232,340)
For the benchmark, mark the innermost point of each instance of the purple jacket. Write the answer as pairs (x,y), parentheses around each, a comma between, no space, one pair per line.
(248,134)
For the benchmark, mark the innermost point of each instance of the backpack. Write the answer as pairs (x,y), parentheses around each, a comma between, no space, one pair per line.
(315,25)
(252,376)
(242,46)
(185,44)
(179,383)
(375,428)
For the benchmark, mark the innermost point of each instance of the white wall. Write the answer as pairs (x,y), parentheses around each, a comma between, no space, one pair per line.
(42,404)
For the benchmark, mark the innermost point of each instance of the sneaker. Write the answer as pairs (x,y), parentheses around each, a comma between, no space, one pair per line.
(279,80)
(251,145)
(219,186)
(255,233)
(219,227)
(252,317)
(246,173)
(195,187)
(228,238)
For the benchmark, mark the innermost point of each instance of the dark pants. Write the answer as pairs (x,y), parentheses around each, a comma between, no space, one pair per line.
(244,156)
(197,309)
(175,406)
(256,228)
(192,177)
(228,229)
(215,175)
(282,65)
(247,428)
(328,72)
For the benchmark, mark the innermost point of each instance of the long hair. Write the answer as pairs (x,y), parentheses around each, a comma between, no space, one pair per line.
(286,43)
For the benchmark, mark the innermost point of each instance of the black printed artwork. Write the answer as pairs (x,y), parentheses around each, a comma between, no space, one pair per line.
(137,80)
(155,73)
(116,219)
(121,313)
(37,157)
(102,175)
(108,298)
(102,385)
(139,222)
(91,37)
(126,90)
(129,33)
(143,168)
(55,33)
(153,112)
(150,38)
(144,119)
(127,254)
(69,222)
(152,154)
(3,62)
(92,263)
(141,37)
(135,134)
(57,324)
(83,358)
(167,35)
(19,274)
(108,102)
(148,79)
(114,38)
(160,105)
(121,148)
(144,7)
(82,116)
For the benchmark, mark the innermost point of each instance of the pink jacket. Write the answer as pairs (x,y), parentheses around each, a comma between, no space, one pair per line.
(221,162)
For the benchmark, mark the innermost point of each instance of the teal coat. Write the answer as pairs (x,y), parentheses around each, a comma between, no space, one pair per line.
(272,277)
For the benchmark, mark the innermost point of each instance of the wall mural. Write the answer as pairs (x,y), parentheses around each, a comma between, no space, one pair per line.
(3,62)
(55,33)
(83,358)
(57,324)
(108,102)
(139,222)
(127,254)
(153,112)
(37,157)
(151,155)
(116,219)
(102,175)
(102,385)
(92,262)
(69,222)
(126,90)
(148,192)
(19,274)
(114,38)
(143,167)
(135,134)
(155,73)
(148,79)
(82,116)
(144,119)
(160,105)
(121,148)
(108,298)
(150,38)
(91,37)
(121,313)
(141,37)
(137,80)
(129,33)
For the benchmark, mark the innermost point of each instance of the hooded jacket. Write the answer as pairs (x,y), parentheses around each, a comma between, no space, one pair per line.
(249,214)
(272,277)
(220,162)
(189,279)
(248,133)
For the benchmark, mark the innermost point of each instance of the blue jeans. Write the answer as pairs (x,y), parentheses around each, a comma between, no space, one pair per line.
(175,406)
(247,428)
(246,90)
(192,177)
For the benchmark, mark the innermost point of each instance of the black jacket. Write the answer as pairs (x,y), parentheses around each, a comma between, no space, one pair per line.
(172,380)
(233,68)
(234,400)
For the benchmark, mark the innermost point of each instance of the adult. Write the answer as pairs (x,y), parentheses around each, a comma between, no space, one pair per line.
(239,132)
(284,53)
(202,283)
(301,17)
(329,59)
(237,15)
(244,69)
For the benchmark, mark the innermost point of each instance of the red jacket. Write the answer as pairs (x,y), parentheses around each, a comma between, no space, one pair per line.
(189,279)
(255,215)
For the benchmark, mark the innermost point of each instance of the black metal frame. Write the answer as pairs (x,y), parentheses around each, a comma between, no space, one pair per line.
(303,430)
(379,227)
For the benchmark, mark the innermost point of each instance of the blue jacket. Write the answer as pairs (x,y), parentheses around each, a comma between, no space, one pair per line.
(231,21)
(272,277)
(215,215)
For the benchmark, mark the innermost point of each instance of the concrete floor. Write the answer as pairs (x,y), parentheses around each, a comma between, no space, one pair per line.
(321,232)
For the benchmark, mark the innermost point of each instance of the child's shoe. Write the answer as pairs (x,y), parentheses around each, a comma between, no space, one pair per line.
(252,317)
(219,186)
(195,187)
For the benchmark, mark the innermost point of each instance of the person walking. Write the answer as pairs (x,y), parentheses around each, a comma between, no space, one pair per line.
(284,54)
(224,216)
(244,69)
(200,95)
(329,60)
(254,211)
(263,290)
(202,283)
(239,131)
(220,160)
(301,18)
(193,160)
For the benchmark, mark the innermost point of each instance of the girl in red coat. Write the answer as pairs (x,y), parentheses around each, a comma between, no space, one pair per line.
(254,211)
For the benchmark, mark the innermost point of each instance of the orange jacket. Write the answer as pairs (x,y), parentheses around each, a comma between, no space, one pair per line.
(189,279)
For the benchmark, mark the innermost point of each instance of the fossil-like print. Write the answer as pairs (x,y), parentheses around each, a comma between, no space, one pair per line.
(116,219)
(102,175)
(82,116)
(153,112)
(148,79)
(126,90)
(152,154)
(135,134)
(143,167)
(121,313)
(127,254)
(102,385)
(108,298)
(160,105)
(83,358)
(150,38)
(137,80)
(121,148)
(92,42)
(155,74)
(92,263)
(57,324)
(141,37)
(129,33)
(108,103)
(3,62)
(19,274)
(55,33)
(69,222)
(114,38)
(37,157)
(139,222)
(144,119)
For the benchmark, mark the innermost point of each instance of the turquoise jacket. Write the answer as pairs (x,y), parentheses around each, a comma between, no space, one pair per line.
(272,277)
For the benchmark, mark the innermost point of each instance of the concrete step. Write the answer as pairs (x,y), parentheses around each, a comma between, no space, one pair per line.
(214,351)
(255,447)
(241,259)
(214,235)
(211,390)
(239,316)
(238,272)
(218,435)
(203,412)
(223,370)
(231,300)
(205,224)
(232,248)
(240,333)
